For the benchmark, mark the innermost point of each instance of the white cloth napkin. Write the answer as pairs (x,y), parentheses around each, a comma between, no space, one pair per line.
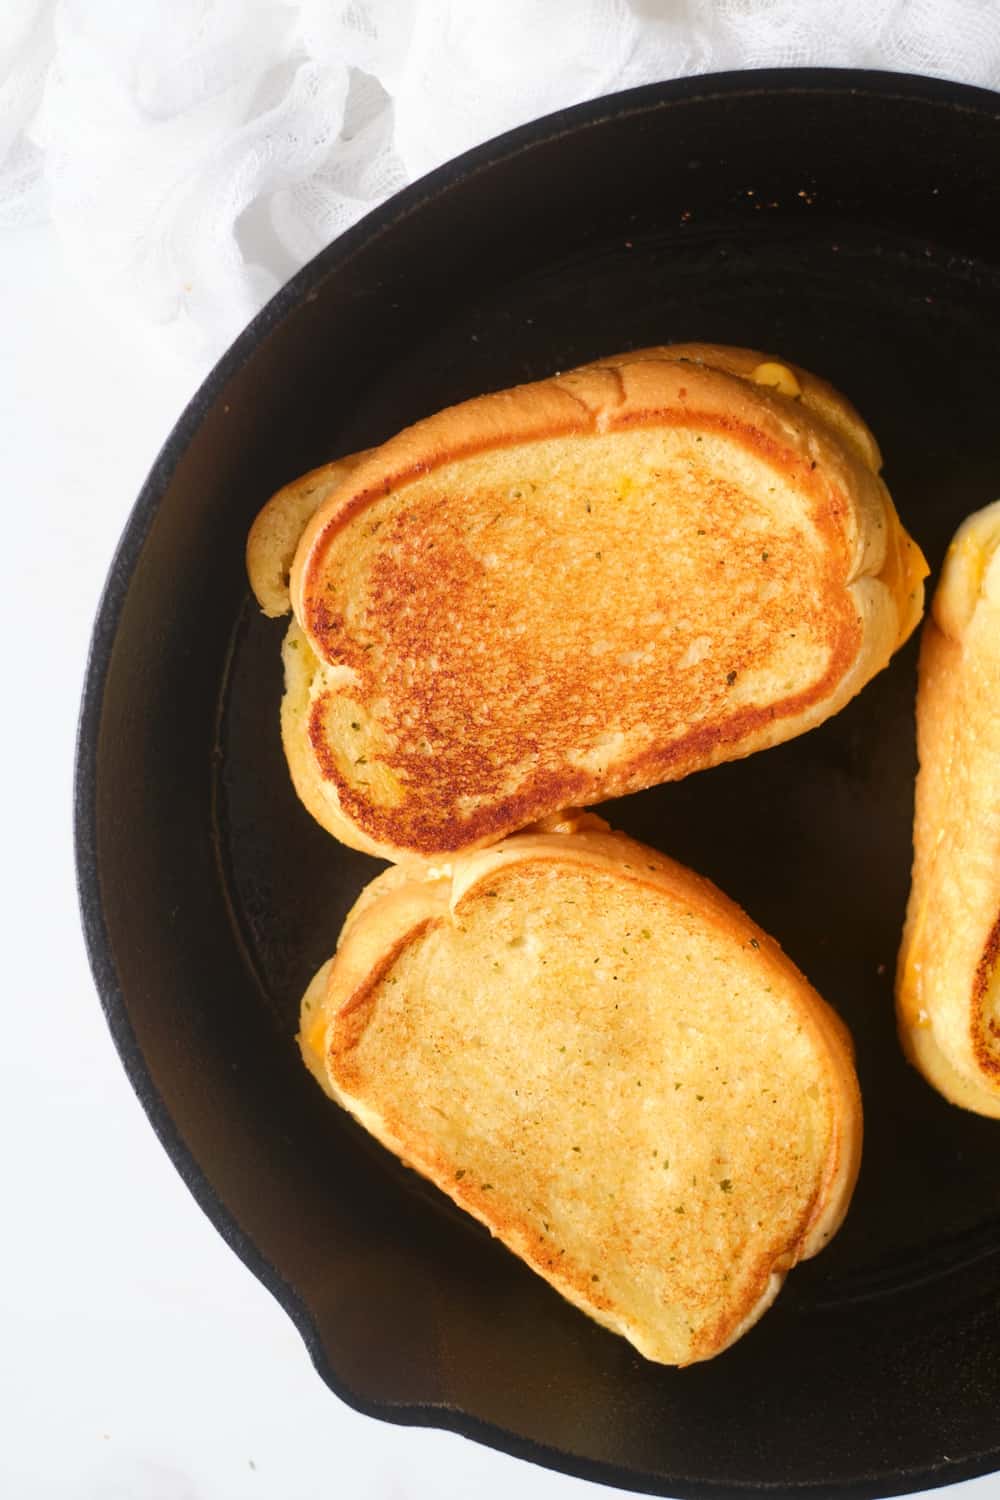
(193,153)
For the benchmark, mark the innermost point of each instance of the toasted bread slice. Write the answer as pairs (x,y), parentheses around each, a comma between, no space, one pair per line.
(948,976)
(601,1058)
(578,588)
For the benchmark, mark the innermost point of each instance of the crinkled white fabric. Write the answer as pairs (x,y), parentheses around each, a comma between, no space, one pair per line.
(193,153)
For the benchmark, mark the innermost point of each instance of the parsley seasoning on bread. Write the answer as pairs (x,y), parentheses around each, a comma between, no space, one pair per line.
(601,1058)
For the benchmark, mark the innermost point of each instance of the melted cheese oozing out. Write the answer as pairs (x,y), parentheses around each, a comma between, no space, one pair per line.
(779,376)
(313,1032)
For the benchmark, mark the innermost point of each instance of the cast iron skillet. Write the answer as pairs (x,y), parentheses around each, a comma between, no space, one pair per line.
(845,220)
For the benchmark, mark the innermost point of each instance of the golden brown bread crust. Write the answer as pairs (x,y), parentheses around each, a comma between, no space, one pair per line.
(275,533)
(816,394)
(316,792)
(449,650)
(520,1099)
(948,974)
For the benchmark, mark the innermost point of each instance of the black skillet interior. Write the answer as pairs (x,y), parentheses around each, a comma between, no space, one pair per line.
(847,221)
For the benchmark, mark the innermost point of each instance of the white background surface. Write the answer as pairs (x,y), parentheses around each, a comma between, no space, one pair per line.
(139,1360)
(193,152)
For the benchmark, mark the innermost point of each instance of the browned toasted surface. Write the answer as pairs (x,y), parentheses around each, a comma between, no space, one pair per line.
(948,979)
(595,1053)
(575,589)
